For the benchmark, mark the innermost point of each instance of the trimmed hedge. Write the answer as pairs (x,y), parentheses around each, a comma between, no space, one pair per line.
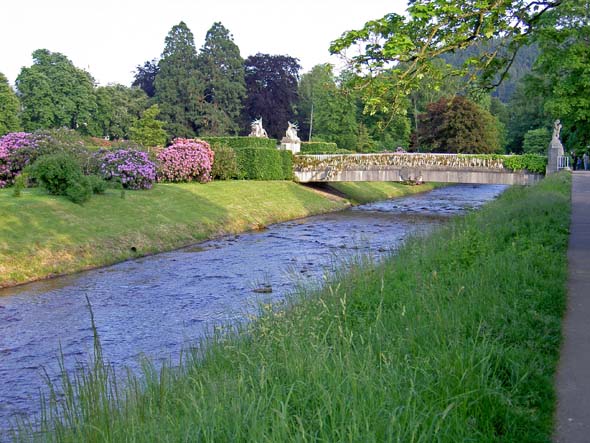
(241,142)
(322,148)
(264,164)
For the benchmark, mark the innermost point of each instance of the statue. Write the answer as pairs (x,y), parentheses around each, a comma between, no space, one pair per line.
(556,129)
(257,129)
(291,134)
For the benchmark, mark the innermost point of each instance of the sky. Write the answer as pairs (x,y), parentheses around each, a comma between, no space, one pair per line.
(110,38)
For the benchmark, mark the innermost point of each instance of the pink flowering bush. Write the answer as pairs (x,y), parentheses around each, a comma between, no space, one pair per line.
(17,150)
(133,168)
(186,160)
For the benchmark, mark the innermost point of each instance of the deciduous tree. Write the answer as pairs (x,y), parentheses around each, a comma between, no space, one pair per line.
(9,108)
(148,130)
(118,108)
(54,93)
(271,85)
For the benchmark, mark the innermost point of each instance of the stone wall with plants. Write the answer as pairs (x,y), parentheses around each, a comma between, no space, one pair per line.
(530,162)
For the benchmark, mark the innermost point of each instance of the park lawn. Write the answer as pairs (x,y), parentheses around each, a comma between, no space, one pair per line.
(365,192)
(43,236)
(455,338)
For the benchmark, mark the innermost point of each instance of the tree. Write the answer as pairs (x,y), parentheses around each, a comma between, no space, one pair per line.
(536,141)
(458,126)
(563,70)
(334,110)
(408,46)
(9,108)
(271,85)
(222,70)
(54,93)
(118,108)
(148,131)
(179,89)
(145,77)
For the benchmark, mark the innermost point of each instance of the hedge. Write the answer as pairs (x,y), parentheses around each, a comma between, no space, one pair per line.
(322,148)
(241,142)
(264,164)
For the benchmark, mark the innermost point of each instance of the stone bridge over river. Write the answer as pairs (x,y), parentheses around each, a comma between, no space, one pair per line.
(446,168)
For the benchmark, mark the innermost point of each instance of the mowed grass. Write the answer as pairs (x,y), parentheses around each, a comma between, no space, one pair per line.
(43,235)
(453,339)
(365,192)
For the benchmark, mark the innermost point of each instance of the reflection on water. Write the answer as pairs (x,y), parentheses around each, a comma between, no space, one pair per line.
(156,305)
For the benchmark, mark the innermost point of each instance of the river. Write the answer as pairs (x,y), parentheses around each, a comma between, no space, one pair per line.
(156,306)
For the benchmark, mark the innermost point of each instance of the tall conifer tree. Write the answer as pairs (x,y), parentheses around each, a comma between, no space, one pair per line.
(222,69)
(9,108)
(178,88)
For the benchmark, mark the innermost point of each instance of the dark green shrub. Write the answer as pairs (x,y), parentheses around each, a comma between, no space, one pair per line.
(241,142)
(97,184)
(225,164)
(56,172)
(260,164)
(287,164)
(314,148)
(529,162)
(80,191)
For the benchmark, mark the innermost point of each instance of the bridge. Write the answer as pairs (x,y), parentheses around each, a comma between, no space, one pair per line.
(445,168)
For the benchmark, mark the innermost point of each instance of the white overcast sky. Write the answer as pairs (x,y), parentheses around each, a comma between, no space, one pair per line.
(109,38)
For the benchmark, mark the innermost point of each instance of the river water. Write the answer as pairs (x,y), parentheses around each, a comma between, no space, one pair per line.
(158,305)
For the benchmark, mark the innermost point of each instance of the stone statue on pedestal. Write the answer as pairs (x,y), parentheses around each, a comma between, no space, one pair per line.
(555,151)
(257,129)
(290,141)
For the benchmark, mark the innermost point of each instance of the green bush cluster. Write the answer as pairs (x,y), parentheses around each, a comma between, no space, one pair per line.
(322,148)
(529,162)
(241,142)
(225,164)
(264,164)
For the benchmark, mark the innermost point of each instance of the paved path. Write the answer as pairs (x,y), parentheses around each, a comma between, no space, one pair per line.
(573,375)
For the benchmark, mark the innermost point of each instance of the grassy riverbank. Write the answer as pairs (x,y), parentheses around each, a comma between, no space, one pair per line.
(454,339)
(42,235)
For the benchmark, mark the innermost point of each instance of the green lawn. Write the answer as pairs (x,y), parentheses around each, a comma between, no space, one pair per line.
(453,339)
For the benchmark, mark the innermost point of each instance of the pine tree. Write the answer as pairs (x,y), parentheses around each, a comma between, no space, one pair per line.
(222,70)
(9,108)
(179,89)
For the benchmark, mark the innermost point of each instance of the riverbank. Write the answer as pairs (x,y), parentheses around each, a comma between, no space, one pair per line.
(42,236)
(454,338)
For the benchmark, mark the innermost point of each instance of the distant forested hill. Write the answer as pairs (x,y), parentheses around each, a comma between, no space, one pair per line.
(522,65)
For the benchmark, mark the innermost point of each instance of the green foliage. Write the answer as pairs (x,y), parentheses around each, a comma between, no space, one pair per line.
(178,86)
(563,70)
(322,148)
(9,108)
(21,181)
(54,94)
(458,126)
(148,131)
(407,48)
(60,174)
(118,109)
(79,191)
(97,184)
(222,70)
(263,164)
(536,141)
(225,164)
(241,142)
(529,162)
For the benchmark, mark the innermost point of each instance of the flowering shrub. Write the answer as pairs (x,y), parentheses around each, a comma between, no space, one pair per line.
(133,168)
(186,160)
(17,150)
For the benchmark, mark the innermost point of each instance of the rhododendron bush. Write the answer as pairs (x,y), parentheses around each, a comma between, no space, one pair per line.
(186,160)
(16,152)
(132,168)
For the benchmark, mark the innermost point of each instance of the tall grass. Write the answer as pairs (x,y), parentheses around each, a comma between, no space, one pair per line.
(453,339)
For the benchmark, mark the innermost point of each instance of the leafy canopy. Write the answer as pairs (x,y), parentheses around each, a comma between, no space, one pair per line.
(407,47)
(9,108)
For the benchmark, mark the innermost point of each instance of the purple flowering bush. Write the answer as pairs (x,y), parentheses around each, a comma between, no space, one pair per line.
(133,168)
(17,150)
(185,160)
